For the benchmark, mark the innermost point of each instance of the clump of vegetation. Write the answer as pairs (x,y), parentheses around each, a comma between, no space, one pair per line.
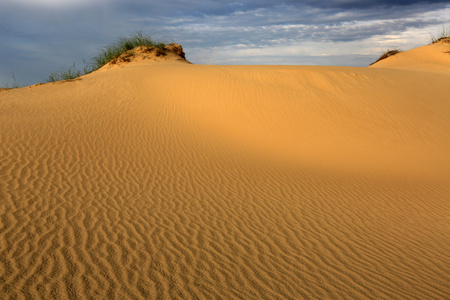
(387,54)
(443,34)
(14,85)
(69,73)
(122,45)
(107,54)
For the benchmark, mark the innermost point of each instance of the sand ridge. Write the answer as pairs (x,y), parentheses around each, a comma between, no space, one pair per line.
(428,58)
(166,180)
(170,53)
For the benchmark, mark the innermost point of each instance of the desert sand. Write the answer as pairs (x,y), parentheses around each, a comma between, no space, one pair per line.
(160,179)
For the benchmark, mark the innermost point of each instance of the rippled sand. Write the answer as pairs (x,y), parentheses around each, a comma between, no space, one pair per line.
(165,180)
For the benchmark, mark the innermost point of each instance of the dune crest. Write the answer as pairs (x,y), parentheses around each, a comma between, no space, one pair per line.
(177,181)
(432,58)
(172,52)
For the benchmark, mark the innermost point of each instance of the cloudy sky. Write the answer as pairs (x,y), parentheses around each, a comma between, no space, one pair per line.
(41,36)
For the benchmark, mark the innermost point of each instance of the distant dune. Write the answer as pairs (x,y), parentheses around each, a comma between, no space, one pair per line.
(431,58)
(153,178)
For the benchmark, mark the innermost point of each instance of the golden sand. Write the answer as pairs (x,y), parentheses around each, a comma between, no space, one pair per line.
(167,180)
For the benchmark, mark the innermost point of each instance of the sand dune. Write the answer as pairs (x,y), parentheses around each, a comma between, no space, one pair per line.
(429,58)
(166,180)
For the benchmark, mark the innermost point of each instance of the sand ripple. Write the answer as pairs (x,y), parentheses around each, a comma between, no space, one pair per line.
(161,182)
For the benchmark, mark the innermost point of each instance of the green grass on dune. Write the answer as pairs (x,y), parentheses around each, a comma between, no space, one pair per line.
(123,44)
(106,54)
(70,73)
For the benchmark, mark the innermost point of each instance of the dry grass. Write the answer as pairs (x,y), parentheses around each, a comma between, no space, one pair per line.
(386,55)
(443,35)
(14,85)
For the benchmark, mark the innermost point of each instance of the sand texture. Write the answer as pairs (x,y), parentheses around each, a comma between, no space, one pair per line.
(167,180)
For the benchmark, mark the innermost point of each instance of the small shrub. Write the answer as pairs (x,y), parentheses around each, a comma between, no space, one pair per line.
(386,55)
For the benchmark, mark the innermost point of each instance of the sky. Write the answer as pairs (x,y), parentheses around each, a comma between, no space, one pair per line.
(38,37)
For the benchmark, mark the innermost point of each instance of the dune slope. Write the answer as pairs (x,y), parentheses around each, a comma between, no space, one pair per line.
(429,58)
(174,181)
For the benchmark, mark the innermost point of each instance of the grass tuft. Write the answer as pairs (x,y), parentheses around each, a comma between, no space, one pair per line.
(386,55)
(14,85)
(69,73)
(443,34)
(122,45)
(107,54)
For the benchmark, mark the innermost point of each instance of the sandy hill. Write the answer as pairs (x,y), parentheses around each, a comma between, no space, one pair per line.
(431,58)
(167,180)
(170,53)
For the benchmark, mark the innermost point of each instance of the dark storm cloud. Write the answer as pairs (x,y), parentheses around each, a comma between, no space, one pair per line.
(41,36)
